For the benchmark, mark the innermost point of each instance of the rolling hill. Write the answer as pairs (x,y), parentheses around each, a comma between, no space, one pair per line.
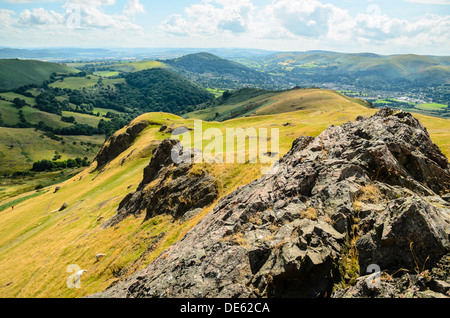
(51,229)
(365,69)
(248,102)
(15,73)
(212,71)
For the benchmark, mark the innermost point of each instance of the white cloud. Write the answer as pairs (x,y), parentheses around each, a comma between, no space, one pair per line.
(91,3)
(40,16)
(79,22)
(133,7)
(211,17)
(302,18)
(276,24)
(6,17)
(92,16)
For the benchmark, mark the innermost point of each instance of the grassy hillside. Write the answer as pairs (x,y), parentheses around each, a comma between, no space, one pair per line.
(38,241)
(213,71)
(15,73)
(19,148)
(253,102)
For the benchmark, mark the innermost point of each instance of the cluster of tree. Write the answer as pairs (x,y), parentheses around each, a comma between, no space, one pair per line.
(23,90)
(49,165)
(69,119)
(161,90)
(154,90)
(19,103)
(47,102)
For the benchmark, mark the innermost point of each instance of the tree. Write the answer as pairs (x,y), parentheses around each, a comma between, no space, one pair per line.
(19,103)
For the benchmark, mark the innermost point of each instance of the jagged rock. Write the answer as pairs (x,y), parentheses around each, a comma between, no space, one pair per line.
(118,143)
(285,235)
(168,187)
(408,233)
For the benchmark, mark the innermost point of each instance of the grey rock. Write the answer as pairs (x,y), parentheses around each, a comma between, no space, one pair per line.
(175,190)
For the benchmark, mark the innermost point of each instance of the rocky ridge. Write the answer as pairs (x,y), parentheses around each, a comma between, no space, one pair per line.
(168,187)
(374,192)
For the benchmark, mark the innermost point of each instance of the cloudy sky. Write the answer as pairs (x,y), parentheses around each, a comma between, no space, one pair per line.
(379,26)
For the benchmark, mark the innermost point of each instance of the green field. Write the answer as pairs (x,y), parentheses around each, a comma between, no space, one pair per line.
(19,148)
(10,96)
(84,118)
(216,92)
(9,113)
(34,116)
(431,106)
(106,73)
(104,111)
(76,82)
(112,70)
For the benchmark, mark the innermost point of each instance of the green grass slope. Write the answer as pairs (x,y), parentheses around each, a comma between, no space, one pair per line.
(20,147)
(15,73)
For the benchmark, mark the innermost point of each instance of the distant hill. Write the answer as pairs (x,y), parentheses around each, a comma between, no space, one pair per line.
(15,73)
(366,69)
(213,71)
(204,63)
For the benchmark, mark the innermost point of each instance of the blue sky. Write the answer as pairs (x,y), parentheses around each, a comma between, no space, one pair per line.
(379,26)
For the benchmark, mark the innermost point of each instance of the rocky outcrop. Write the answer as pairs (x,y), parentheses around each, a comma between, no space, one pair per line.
(118,143)
(378,181)
(168,187)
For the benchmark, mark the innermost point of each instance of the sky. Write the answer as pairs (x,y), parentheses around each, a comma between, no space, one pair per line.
(350,26)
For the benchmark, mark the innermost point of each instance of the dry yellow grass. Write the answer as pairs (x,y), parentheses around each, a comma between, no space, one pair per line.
(310,213)
(38,242)
(304,99)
